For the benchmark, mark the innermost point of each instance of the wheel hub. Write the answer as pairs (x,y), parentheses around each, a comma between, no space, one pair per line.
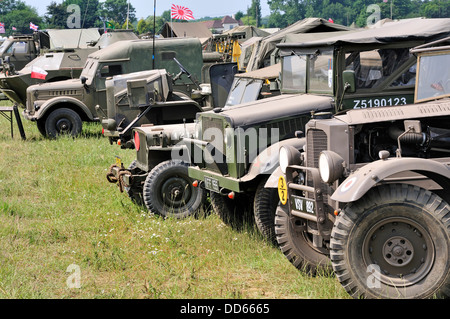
(63,125)
(398,251)
(402,249)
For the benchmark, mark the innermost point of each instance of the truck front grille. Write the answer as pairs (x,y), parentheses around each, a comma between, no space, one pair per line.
(316,143)
(213,133)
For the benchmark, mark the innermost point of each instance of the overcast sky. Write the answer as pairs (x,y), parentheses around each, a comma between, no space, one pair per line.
(200,8)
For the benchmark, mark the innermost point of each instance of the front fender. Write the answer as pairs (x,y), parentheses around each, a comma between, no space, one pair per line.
(49,104)
(267,161)
(362,180)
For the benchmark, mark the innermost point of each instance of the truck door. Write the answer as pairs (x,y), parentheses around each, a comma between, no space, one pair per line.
(105,71)
(20,53)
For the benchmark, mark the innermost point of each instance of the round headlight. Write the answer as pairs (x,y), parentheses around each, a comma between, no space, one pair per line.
(288,156)
(331,166)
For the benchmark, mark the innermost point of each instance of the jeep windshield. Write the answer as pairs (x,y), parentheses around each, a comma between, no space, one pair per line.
(308,72)
(432,82)
(5,46)
(244,90)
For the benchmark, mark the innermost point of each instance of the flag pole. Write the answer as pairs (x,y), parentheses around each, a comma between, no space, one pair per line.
(154,32)
(128,12)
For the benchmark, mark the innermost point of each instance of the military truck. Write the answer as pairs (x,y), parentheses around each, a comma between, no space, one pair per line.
(158,178)
(62,60)
(369,196)
(61,107)
(235,150)
(21,49)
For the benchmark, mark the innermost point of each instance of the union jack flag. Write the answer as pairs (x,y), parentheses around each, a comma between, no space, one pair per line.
(33,27)
(181,13)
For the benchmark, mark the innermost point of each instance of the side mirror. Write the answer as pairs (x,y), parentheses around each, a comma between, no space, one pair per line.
(83,80)
(349,79)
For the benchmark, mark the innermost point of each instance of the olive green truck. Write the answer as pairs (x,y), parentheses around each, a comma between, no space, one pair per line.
(369,196)
(234,152)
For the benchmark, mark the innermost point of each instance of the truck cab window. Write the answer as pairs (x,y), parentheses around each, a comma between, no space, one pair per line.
(110,70)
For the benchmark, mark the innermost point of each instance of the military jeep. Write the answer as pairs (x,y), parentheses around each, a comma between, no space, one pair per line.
(369,195)
(158,178)
(235,151)
(61,107)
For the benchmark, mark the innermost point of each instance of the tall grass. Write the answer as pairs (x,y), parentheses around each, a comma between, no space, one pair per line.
(57,209)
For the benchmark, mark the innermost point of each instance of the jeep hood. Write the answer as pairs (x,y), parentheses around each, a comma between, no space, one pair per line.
(72,84)
(282,106)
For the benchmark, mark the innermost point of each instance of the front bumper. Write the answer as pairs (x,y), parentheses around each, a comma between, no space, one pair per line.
(215,181)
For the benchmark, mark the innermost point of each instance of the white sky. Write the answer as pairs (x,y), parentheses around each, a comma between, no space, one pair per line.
(200,8)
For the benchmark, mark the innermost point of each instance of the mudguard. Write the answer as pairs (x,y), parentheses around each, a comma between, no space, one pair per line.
(362,180)
(267,162)
(66,99)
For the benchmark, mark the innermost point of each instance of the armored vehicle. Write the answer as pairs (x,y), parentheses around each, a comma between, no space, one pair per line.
(62,61)
(370,194)
(236,150)
(158,178)
(60,107)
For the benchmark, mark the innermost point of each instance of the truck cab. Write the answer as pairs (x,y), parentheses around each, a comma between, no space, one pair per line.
(368,195)
(75,100)
(235,151)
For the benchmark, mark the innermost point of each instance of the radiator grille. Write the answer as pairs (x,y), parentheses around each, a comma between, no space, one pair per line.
(213,133)
(316,143)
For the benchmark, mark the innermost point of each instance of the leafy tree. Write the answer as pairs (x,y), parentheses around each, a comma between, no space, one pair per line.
(238,15)
(255,12)
(15,13)
(89,10)
(117,10)
(56,16)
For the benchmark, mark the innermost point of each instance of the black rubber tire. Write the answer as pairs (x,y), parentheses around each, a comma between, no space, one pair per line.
(297,246)
(236,213)
(404,231)
(169,179)
(63,121)
(41,127)
(264,208)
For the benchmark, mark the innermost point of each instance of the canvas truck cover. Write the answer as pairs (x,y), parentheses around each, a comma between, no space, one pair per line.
(418,29)
(264,47)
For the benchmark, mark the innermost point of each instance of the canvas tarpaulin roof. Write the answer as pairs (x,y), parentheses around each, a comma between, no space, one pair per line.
(187,29)
(417,29)
(263,48)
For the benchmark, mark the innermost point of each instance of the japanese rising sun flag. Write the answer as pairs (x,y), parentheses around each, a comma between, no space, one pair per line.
(181,13)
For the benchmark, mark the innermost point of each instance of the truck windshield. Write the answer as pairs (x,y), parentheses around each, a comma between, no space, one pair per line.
(4,46)
(433,82)
(321,72)
(90,69)
(294,73)
(243,90)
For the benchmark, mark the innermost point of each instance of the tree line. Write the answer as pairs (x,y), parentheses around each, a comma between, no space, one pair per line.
(113,13)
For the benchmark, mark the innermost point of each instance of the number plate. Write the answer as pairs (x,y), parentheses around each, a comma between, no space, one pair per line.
(305,205)
(212,184)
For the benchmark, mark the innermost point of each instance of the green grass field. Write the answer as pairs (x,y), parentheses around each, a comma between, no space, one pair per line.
(59,213)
